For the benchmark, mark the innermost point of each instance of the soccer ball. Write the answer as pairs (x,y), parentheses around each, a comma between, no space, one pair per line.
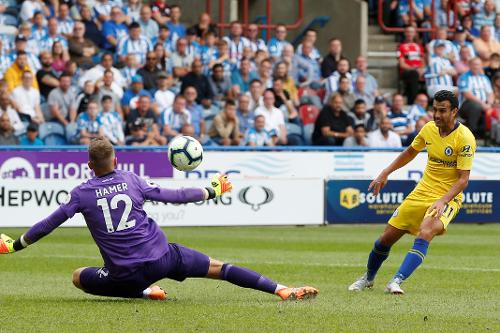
(185,153)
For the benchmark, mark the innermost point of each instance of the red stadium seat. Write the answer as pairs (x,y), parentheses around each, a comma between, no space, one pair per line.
(308,114)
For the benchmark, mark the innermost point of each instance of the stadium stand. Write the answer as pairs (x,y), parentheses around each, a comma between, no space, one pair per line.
(57,57)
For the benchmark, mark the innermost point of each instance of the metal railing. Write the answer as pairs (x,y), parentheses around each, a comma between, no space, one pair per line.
(452,7)
(221,24)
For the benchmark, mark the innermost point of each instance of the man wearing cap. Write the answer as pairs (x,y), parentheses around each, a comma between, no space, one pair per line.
(378,112)
(21,44)
(441,38)
(459,41)
(31,138)
(14,75)
(131,96)
(149,71)
(163,96)
(440,71)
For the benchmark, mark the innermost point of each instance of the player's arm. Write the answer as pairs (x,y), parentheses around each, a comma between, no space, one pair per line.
(35,233)
(219,185)
(463,180)
(403,159)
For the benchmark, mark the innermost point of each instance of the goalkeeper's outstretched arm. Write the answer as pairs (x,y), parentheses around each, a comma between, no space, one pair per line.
(219,185)
(36,232)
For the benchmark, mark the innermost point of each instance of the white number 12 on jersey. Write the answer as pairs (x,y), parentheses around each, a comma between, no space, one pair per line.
(124,224)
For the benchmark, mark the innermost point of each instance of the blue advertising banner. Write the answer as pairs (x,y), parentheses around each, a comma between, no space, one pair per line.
(348,201)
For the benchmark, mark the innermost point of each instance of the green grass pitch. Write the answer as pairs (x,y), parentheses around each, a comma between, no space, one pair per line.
(456,290)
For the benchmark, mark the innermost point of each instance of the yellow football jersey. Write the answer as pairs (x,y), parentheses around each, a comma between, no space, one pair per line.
(445,156)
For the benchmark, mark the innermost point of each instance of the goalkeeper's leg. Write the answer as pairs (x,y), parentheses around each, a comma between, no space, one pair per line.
(195,264)
(97,281)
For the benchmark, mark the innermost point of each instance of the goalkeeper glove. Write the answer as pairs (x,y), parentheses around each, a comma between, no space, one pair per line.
(6,244)
(219,185)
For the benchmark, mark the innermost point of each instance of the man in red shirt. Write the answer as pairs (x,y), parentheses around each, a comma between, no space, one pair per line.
(411,63)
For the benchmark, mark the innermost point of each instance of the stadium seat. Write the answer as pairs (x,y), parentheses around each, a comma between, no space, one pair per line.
(71,131)
(308,131)
(294,134)
(52,133)
(308,114)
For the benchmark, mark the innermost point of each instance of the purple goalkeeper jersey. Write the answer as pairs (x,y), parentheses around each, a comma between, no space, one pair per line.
(112,206)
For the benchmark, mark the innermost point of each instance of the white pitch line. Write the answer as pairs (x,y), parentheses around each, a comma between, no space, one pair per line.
(425,267)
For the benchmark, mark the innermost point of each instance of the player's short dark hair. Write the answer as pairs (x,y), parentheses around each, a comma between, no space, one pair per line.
(445,95)
(101,153)
(359,101)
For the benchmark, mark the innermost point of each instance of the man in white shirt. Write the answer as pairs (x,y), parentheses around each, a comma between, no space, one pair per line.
(164,97)
(28,100)
(97,72)
(274,117)
(384,137)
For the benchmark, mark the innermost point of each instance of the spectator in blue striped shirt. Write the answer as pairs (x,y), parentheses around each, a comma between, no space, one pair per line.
(38,29)
(256,43)
(400,120)
(163,38)
(89,125)
(52,36)
(476,95)
(174,119)
(459,41)
(149,27)
(486,16)
(112,123)
(236,42)
(276,44)
(135,44)
(441,38)
(258,136)
(103,8)
(440,71)
(66,23)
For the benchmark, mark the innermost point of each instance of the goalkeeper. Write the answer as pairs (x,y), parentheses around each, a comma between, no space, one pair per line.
(135,251)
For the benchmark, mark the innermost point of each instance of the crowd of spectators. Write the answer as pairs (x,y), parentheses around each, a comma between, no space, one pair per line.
(134,72)
(463,56)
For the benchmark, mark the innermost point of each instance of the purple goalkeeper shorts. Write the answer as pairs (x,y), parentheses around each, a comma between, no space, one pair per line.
(178,264)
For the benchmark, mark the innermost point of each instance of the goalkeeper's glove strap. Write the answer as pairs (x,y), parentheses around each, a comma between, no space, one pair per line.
(211,193)
(20,244)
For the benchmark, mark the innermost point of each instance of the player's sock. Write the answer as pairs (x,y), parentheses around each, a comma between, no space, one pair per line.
(247,279)
(413,258)
(377,256)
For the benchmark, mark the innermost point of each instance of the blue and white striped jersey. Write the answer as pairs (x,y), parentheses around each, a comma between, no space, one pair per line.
(84,122)
(5,63)
(332,83)
(175,120)
(479,85)
(457,47)
(48,41)
(104,8)
(275,47)
(449,48)
(435,67)
(236,48)
(65,26)
(167,45)
(400,120)
(315,55)
(416,112)
(112,126)
(257,45)
(138,47)
(38,34)
(127,73)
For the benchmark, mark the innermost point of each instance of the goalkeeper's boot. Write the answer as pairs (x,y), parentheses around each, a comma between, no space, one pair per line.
(394,286)
(289,294)
(156,293)
(361,284)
